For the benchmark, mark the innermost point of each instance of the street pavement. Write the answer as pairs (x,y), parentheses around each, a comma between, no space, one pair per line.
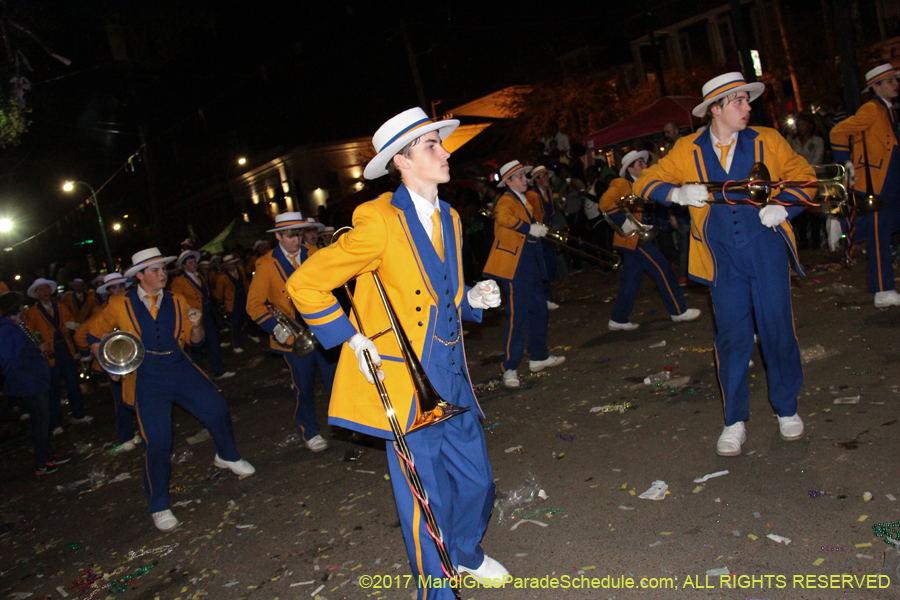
(324,525)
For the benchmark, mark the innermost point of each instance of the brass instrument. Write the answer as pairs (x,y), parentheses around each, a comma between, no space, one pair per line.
(430,410)
(760,188)
(120,352)
(602,257)
(304,340)
(646,233)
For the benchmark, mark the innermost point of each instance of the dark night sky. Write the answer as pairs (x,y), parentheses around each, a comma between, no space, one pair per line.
(213,81)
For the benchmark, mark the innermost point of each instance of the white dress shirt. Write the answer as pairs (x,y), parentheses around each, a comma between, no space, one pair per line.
(718,152)
(424,210)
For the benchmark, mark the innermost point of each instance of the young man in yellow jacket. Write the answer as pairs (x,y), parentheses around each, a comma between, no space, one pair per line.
(413,240)
(742,253)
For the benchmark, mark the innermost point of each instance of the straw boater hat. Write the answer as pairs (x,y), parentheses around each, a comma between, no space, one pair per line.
(98,280)
(147,258)
(231,258)
(113,279)
(398,132)
(879,73)
(314,222)
(290,220)
(186,255)
(538,170)
(510,169)
(723,85)
(630,158)
(38,283)
(328,229)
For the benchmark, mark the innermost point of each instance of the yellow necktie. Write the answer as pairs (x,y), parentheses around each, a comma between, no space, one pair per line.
(725,150)
(294,262)
(437,237)
(154,309)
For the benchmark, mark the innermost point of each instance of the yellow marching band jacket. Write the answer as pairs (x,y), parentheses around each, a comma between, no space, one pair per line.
(874,121)
(618,189)
(512,220)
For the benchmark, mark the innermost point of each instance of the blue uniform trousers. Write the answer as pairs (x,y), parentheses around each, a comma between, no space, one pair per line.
(876,229)
(452,462)
(647,259)
(65,371)
(526,309)
(754,284)
(38,407)
(124,413)
(210,344)
(303,376)
(175,380)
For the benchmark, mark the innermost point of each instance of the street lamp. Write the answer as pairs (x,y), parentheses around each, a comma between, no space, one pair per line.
(6,225)
(242,161)
(68,187)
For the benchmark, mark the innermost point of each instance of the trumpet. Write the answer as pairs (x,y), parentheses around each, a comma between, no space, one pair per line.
(760,189)
(562,239)
(304,340)
(430,410)
(646,233)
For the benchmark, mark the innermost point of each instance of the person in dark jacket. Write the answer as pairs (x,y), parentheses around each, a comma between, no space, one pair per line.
(26,374)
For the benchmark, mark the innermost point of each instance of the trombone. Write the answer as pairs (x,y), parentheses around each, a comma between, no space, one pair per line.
(431,409)
(602,257)
(646,233)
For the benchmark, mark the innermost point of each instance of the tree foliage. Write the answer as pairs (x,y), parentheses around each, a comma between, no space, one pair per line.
(13,121)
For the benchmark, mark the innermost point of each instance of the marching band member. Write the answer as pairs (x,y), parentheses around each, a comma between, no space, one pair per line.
(195,289)
(268,285)
(413,240)
(517,261)
(540,200)
(165,376)
(260,249)
(875,125)
(637,261)
(79,301)
(55,324)
(231,290)
(743,254)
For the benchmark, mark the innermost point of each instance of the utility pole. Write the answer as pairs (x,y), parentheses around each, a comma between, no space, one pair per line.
(847,51)
(740,34)
(787,54)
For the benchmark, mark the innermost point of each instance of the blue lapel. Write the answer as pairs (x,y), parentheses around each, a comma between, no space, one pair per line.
(744,157)
(53,318)
(434,267)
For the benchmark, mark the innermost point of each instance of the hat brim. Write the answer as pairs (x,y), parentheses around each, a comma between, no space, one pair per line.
(192,254)
(126,280)
(286,227)
(38,284)
(643,154)
(882,77)
(532,175)
(377,167)
(755,90)
(163,260)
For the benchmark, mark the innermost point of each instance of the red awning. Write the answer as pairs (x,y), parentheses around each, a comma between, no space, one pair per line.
(647,121)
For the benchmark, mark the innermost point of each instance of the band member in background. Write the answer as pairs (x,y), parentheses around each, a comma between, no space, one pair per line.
(232,292)
(54,324)
(517,260)
(260,249)
(165,323)
(414,241)
(639,260)
(875,126)
(268,285)
(195,290)
(540,199)
(742,253)
(80,301)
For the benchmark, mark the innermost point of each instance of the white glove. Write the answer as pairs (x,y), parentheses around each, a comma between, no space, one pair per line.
(851,172)
(281,334)
(773,215)
(72,325)
(691,194)
(628,226)
(359,344)
(538,230)
(88,358)
(484,294)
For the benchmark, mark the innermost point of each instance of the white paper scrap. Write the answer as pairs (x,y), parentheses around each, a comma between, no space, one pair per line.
(310,582)
(513,449)
(779,539)
(709,476)
(718,572)
(318,589)
(513,528)
(657,491)
(543,495)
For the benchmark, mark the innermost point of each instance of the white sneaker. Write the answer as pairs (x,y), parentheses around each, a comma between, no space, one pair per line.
(127,446)
(688,315)
(165,520)
(83,420)
(57,431)
(489,574)
(238,467)
(224,344)
(730,441)
(225,375)
(24,417)
(511,378)
(254,339)
(886,299)
(550,361)
(791,428)
(552,305)
(317,444)
(616,326)
(238,350)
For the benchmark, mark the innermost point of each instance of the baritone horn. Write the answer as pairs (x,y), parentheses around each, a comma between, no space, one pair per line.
(120,352)
(304,340)
(646,233)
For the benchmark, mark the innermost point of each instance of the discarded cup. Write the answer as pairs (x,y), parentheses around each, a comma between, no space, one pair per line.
(658,378)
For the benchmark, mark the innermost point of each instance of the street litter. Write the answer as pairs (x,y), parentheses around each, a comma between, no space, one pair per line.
(513,528)
(657,378)
(509,503)
(655,544)
(513,449)
(200,436)
(779,539)
(661,344)
(867,496)
(709,476)
(616,407)
(847,400)
(657,491)
(621,507)
(817,352)
(718,572)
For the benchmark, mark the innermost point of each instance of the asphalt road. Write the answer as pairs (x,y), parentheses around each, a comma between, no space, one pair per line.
(324,524)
